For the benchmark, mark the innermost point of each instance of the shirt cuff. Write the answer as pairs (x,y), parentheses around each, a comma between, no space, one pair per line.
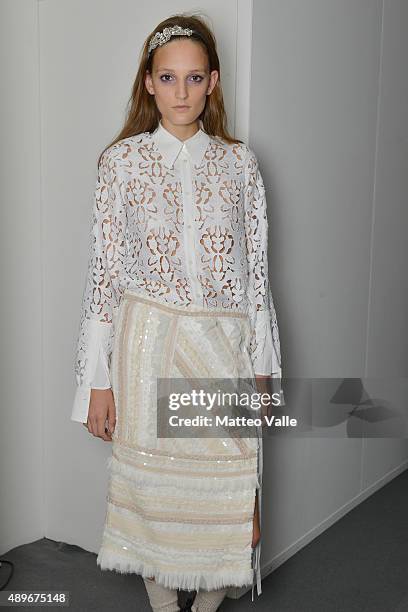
(96,374)
(264,357)
(81,404)
(101,378)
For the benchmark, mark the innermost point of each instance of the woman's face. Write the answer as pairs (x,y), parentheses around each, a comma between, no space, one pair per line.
(179,77)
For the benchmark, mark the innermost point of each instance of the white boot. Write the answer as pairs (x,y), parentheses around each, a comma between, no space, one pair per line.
(161,598)
(208,601)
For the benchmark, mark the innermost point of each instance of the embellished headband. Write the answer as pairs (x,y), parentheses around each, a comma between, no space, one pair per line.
(162,37)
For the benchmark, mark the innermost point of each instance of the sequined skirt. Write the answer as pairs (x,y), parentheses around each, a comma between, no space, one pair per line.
(178,509)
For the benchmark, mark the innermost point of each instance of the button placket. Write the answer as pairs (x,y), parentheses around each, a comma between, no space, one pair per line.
(187,188)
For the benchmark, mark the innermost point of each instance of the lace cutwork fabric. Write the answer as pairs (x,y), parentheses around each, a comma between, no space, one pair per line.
(184,223)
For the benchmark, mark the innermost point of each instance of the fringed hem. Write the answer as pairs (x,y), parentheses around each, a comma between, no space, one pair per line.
(188,582)
(202,483)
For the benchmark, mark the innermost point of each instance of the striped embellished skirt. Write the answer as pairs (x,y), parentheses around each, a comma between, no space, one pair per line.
(179,508)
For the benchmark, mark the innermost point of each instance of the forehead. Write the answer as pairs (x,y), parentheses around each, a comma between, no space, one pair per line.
(180,54)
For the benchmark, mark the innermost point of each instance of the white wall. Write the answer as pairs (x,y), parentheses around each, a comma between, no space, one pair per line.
(326,112)
(329,121)
(22,444)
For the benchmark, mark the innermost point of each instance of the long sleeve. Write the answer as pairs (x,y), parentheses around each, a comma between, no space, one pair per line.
(265,344)
(101,295)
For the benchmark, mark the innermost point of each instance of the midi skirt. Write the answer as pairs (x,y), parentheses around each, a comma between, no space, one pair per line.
(179,509)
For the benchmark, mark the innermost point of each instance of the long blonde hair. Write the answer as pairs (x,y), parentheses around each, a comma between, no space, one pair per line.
(143,114)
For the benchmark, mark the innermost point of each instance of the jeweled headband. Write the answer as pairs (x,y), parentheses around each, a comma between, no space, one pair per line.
(162,37)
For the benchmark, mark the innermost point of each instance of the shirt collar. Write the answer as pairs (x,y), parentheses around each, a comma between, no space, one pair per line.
(170,146)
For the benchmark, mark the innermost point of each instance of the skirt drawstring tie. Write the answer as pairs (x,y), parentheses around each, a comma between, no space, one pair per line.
(257,569)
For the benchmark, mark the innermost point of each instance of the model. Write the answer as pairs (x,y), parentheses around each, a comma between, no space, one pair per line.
(177,287)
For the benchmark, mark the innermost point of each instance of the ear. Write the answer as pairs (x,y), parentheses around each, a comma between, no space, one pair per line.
(149,82)
(213,81)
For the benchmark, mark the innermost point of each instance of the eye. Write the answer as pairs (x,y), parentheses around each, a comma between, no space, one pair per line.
(196,78)
(165,75)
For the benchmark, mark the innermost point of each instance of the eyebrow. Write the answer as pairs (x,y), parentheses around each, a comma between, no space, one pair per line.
(192,70)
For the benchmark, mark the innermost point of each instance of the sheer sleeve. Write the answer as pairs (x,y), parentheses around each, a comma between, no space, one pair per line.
(265,344)
(101,294)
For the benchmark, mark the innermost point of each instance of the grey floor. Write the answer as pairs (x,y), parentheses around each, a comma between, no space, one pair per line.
(359,564)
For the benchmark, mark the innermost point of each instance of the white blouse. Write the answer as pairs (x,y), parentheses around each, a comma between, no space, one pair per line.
(181,222)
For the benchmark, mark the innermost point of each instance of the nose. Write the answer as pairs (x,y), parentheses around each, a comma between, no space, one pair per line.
(181,91)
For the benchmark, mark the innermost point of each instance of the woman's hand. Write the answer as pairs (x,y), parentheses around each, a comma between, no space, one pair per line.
(101,410)
(256,533)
